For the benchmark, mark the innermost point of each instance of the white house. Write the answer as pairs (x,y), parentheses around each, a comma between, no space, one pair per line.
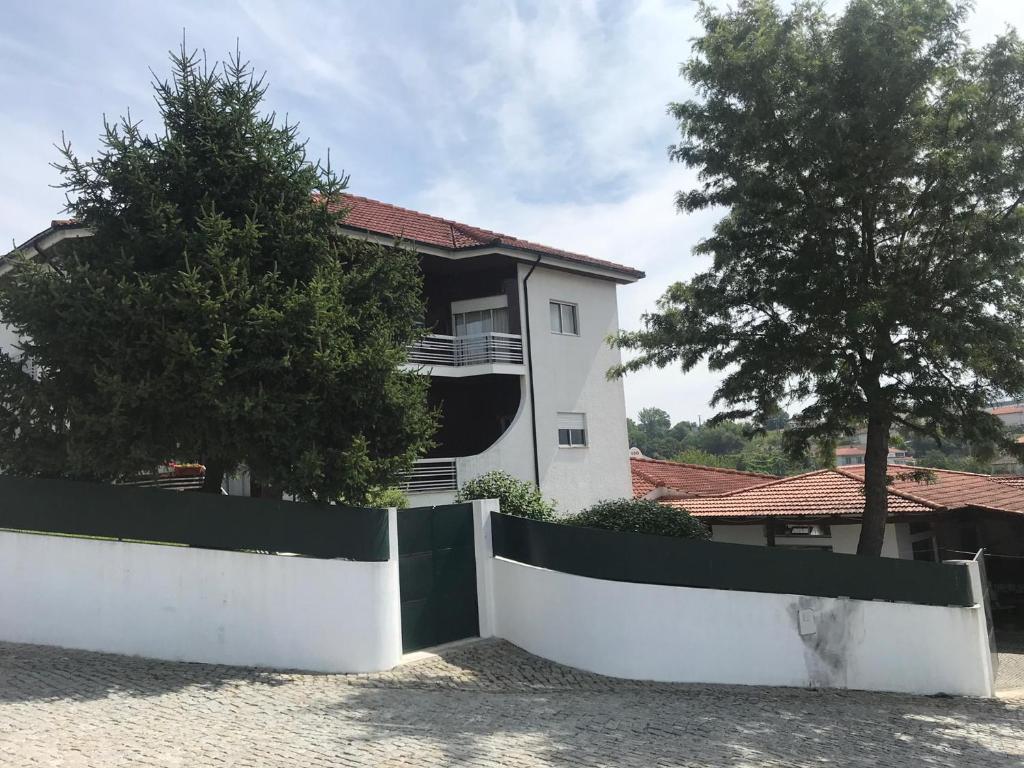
(517,355)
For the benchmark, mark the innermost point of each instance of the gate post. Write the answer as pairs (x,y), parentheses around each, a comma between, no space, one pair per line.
(392,639)
(484,550)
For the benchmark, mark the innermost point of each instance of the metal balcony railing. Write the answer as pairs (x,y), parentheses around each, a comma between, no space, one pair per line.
(437,349)
(431,475)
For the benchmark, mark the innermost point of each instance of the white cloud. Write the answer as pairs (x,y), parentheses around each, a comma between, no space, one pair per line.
(544,120)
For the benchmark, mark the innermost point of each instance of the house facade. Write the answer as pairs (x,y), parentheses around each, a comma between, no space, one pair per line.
(946,515)
(516,353)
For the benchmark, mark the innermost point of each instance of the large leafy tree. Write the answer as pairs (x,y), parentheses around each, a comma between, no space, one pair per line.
(215,313)
(868,265)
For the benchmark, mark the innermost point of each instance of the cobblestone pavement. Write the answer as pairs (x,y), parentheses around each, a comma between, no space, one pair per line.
(1010,675)
(484,704)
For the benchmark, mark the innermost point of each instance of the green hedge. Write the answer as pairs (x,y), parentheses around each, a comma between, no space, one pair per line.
(641,516)
(516,496)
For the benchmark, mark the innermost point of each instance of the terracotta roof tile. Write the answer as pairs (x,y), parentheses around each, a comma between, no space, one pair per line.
(840,492)
(379,218)
(390,220)
(689,479)
(953,490)
(1003,410)
(820,493)
(850,450)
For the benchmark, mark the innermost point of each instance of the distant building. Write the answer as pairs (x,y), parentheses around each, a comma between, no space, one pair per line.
(1011,415)
(848,455)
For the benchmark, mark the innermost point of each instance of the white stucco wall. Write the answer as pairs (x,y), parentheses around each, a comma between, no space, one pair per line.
(679,634)
(843,538)
(185,604)
(570,376)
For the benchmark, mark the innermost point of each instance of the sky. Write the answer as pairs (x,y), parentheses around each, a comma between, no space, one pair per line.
(542,120)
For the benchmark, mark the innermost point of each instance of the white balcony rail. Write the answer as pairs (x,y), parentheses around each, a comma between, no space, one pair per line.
(437,349)
(430,476)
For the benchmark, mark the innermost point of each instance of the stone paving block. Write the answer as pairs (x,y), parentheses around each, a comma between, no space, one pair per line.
(486,704)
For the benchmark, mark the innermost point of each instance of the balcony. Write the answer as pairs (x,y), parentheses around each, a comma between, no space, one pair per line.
(468,355)
(431,476)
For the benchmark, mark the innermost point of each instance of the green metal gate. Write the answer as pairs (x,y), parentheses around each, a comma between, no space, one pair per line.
(437,575)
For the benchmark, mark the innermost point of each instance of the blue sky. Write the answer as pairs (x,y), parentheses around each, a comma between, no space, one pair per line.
(544,120)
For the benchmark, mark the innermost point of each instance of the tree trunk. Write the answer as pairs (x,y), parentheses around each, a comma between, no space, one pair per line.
(876,492)
(214,477)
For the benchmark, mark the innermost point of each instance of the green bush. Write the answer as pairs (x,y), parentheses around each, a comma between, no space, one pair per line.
(641,516)
(516,496)
(386,497)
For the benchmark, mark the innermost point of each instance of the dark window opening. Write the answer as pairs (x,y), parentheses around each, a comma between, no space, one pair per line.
(816,530)
(924,549)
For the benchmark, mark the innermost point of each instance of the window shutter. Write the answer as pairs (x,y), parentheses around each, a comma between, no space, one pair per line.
(571,421)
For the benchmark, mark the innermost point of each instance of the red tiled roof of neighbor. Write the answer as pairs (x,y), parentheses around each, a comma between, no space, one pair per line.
(826,492)
(1003,410)
(384,219)
(689,479)
(850,450)
(953,490)
(829,492)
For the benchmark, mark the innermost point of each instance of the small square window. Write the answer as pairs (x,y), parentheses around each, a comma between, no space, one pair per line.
(564,319)
(572,430)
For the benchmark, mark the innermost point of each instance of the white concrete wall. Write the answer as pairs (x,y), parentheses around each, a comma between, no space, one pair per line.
(843,539)
(680,634)
(570,376)
(185,604)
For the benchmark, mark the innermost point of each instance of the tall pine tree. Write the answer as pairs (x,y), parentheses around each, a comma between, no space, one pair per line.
(869,263)
(215,313)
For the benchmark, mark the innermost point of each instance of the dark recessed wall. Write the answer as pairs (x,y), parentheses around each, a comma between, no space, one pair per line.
(475,412)
(447,280)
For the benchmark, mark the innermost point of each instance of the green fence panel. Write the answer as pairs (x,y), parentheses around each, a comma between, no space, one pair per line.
(194,519)
(645,559)
(437,575)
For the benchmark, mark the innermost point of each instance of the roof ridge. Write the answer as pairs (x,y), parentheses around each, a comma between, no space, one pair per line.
(889,489)
(688,465)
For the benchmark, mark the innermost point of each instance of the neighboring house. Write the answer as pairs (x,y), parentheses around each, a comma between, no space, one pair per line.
(517,355)
(1011,415)
(949,516)
(848,455)
(657,479)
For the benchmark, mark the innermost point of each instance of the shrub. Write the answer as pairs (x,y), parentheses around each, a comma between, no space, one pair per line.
(386,497)
(641,516)
(516,496)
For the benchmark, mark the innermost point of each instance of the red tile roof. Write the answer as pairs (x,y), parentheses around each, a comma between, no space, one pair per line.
(826,492)
(688,479)
(375,217)
(1004,410)
(953,490)
(851,450)
(829,492)
(380,218)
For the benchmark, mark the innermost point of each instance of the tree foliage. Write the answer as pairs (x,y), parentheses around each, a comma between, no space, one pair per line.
(869,262)
(215,313)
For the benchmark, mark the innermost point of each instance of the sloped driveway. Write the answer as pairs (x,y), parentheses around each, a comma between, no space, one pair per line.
(483,704)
